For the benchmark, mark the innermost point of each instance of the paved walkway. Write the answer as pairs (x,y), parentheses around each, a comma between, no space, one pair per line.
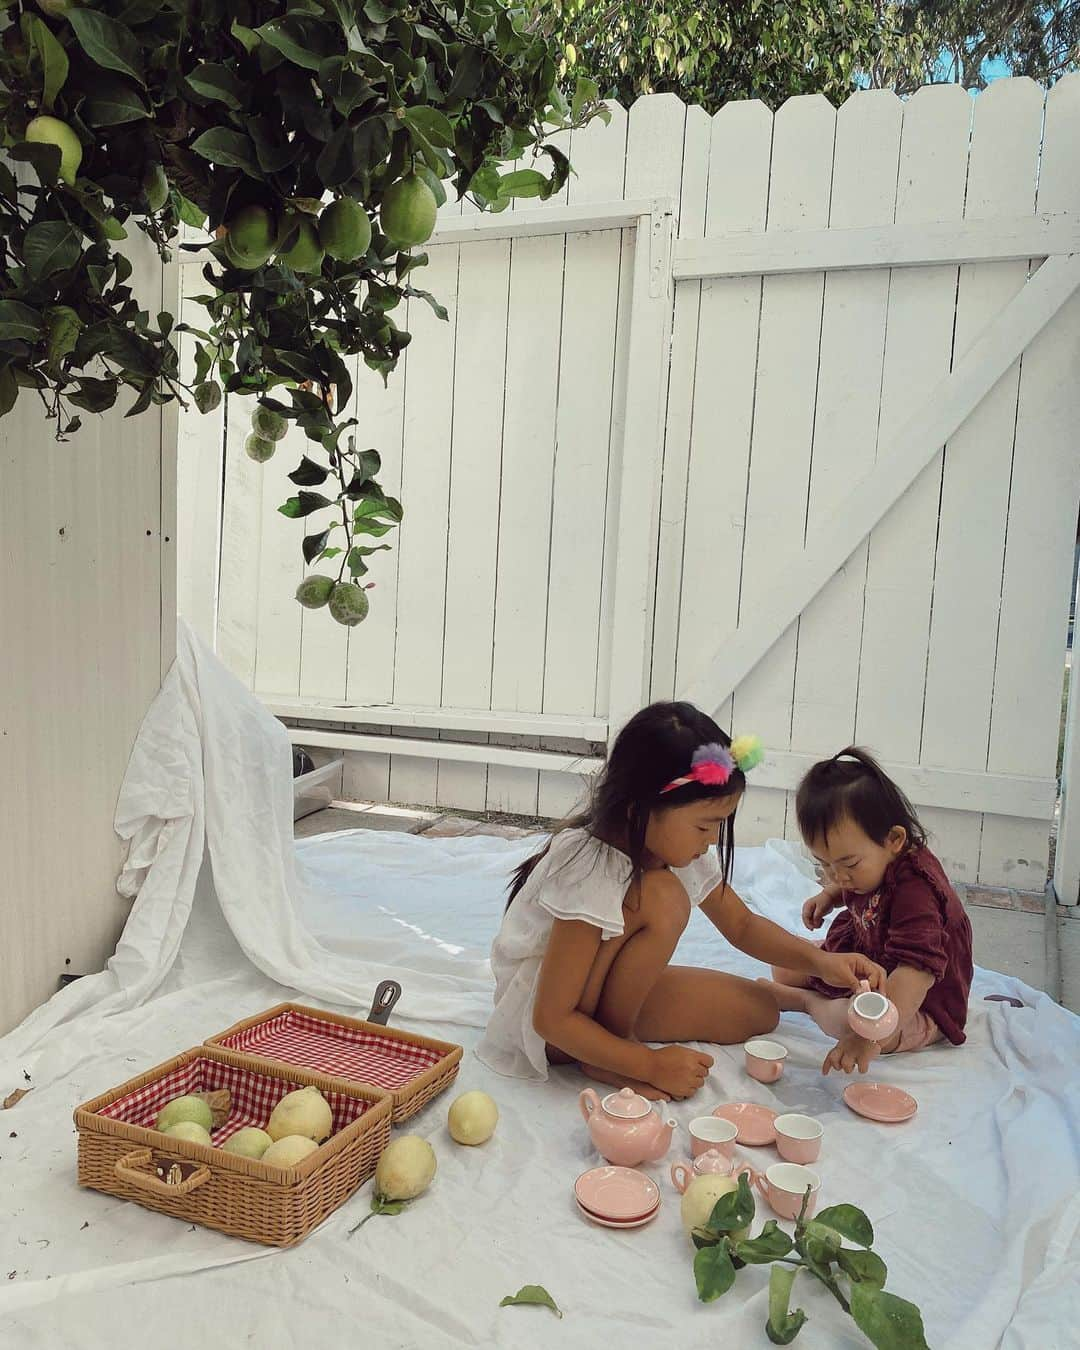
(1015,931)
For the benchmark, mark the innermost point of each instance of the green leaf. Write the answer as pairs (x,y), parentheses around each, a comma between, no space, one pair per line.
(782,1326)
(107,43)
(849,1222)
(531,1296)
(303,41)
(713,1272)
(432,125)
(522,183)
(734,1210)
(357,565)
(112,104)
(50,246)
(9,390)
(888,1322)
(434,183)
(863,1267)
(247,37)
(94,395)
(769,1245)
(379,1205)
(18,321)
(219,83)
(585,91)
(54,60)
(64,328)
(370,145)
(304,504)
(189,213)
(314,544)
(44,158)
(308,473)
(207,395)
(231,149)
(336,163)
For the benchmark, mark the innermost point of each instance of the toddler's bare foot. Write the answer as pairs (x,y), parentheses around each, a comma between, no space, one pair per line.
(617,1080)
(789,999)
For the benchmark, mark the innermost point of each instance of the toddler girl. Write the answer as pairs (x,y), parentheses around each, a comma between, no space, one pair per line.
(582,960)
(898,910)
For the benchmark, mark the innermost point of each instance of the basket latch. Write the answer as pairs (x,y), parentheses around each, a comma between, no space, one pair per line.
(382,1004)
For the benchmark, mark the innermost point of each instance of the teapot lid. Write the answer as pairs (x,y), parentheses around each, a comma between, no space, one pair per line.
(626,1104)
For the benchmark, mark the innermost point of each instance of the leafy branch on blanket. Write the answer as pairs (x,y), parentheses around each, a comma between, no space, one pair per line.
(854,1276)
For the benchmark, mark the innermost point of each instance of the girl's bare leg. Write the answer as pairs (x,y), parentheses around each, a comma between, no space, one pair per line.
(688,1003)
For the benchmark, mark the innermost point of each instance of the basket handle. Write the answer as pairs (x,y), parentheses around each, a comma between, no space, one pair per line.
(131,1168)
(382,1005)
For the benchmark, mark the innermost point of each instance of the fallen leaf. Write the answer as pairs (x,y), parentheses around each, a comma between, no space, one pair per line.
(531,1295)
(14,1098)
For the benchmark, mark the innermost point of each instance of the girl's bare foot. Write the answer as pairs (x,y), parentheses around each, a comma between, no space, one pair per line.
(617,1080)
(789,999)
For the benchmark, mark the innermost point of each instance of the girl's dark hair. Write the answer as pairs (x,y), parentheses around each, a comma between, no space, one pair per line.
(653,748)
(853,786)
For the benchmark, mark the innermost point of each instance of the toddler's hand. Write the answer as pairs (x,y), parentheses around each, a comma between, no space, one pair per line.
(849,1053)
(679,1071)
(816,908)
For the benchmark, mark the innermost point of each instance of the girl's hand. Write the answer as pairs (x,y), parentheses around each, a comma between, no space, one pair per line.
(849,1053)
(844,970)
(678,1071)
(816,908)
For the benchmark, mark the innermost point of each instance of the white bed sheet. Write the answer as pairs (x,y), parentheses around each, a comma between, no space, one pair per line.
(976,1200)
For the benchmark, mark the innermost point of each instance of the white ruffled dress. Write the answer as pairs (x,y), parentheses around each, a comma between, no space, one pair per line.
(579,878)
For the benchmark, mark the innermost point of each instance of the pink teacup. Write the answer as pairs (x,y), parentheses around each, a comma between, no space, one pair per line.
(798,1138)
(765,1060)
(872,1016)
(709,1132)
(784,1185)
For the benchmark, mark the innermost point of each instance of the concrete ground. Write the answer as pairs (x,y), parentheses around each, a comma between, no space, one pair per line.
(1018,933)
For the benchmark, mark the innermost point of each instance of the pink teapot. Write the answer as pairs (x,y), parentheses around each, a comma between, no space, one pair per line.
(624,1127)
(872,1016)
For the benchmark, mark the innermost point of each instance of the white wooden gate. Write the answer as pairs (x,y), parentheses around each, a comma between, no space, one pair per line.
(807,459)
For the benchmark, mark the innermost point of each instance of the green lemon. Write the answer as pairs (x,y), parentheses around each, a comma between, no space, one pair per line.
(268,424)
(349,603)
(314,591)
(344,230)
(408,211)
(259,448)
(251,237)
(306,254)
(51,131)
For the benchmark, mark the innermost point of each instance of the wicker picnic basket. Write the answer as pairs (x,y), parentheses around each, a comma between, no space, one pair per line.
(121,1154)
(412,1069)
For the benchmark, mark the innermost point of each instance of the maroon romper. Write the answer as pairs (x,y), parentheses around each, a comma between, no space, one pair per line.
(914,919)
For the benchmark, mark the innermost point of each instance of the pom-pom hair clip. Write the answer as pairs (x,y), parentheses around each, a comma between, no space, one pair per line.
(712,765)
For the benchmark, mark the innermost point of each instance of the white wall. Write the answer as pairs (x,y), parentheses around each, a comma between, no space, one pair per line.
(86,592)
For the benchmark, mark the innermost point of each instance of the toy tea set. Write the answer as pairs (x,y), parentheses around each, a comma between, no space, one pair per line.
(627,1131)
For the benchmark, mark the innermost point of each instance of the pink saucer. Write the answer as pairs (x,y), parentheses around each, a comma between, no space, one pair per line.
(880,1101)
(617,1194)
(754,1122)
(619,1223)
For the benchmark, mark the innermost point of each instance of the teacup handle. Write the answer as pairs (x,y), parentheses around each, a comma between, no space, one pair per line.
(681,1176)
(588,1102)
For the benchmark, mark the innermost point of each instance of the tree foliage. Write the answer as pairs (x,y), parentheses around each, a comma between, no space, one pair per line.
(148,113)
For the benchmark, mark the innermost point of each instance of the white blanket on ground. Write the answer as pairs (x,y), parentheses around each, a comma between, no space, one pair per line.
(975,1200)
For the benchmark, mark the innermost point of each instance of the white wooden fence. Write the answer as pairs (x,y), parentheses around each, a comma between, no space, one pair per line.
(774,411)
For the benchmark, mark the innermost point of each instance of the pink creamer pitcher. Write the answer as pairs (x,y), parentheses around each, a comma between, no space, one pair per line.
(872,1016)
(624,1127)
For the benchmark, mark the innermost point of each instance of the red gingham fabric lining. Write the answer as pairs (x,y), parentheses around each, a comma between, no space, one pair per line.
(343,1052)
(253,1097)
